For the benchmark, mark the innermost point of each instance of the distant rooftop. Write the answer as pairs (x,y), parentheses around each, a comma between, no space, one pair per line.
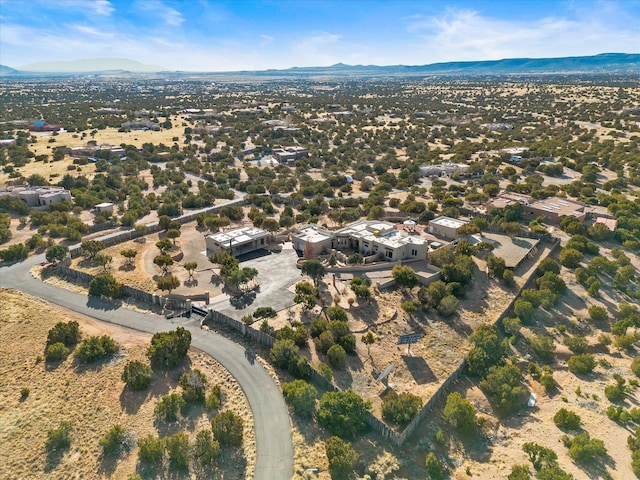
(448,222)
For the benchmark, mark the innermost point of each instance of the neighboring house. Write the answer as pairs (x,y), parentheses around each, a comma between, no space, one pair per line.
(237,241)
(104,207)
(445,227)
(38,196)
(289,154)
(90,150)
(369,238)
(507,198)
(42,126)
(140,125)
(497,126)
(610,223)
(554,209)
(8,141)
(444,169)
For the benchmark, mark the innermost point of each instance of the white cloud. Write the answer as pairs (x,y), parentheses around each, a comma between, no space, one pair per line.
(168,15)
(101,7)
(172,17)
(468,35)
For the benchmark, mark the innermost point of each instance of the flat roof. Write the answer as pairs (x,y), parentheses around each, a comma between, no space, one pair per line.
(448,222)
(237,236)
(313,234)
(512,250)
(559,206)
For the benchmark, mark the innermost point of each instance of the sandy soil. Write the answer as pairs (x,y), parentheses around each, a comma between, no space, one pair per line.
(93,398)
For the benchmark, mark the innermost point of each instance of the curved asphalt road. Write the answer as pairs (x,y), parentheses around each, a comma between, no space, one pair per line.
(273,433)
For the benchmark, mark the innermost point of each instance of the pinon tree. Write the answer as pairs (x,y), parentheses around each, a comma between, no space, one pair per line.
(168,283)
(313,269)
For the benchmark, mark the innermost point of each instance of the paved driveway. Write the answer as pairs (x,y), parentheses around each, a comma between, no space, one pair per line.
(276,272)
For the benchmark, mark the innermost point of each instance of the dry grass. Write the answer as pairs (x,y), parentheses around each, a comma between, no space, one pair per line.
(92,398)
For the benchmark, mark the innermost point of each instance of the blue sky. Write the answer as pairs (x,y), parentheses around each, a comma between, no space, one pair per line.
(222,35)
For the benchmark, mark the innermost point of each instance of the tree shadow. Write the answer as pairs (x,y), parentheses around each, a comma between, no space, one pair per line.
(192,282)
(108,464)
(98,303)
(419,369)
(240,302)
(53,458)
(131,401)
(126,267)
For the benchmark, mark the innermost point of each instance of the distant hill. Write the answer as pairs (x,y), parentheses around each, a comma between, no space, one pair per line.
(603,63)
(628,63)
(90,65)
(8,71)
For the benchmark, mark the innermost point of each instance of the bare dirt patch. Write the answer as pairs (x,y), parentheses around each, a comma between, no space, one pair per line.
(92,398)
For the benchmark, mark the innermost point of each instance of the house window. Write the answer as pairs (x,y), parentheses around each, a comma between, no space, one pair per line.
(389,253)
(262,241)
(414,253)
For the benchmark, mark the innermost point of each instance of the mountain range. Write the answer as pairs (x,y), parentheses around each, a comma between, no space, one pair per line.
(602,63)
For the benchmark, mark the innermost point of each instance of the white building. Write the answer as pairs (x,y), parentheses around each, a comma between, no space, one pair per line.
(366,237)
(445,227)
(38,196)
(237,241)
(444,169)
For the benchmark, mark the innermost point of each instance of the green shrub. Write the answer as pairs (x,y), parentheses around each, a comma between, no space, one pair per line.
(214,399)
(67,333)
(105,285)
(168,407)
(400,408)
(435,470)
(343,413)
(635,366)
(114,441)
(59,438)
(301,396)
(519,472)
(584,449)
(539,456)
(577,344)
(503,385)
(548,383)
(178,450)
(342,458)
(137,375)
(228,428)
(56,352)
(167,349)
(543,346)
(95,348)
(282,352)
(151,449)
(337,356)
(194,385)
(598,313)
(566,419)
(325,371)
(205,449)
(614,393)
(460,413)
(582,364)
